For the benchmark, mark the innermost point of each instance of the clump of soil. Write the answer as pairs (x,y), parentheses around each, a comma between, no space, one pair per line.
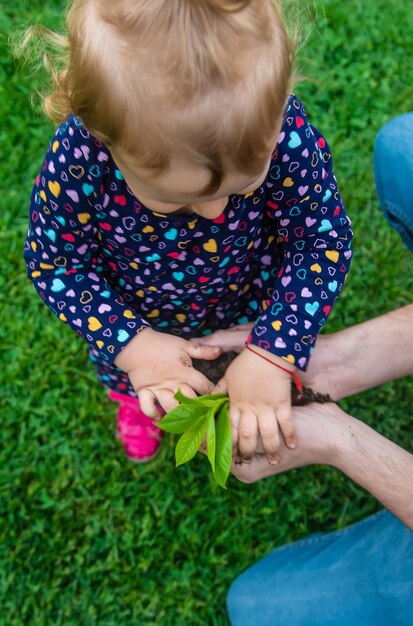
(214,371)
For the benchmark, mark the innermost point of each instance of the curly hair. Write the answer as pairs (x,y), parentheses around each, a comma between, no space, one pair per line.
(205,79)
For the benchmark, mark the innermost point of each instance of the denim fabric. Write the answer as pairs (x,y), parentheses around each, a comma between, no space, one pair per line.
(393,168)
(359,576)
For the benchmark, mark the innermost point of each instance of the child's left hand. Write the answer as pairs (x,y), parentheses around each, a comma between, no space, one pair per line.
(260,403)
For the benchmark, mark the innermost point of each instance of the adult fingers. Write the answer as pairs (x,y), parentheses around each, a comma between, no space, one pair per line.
(247,326)
(231,339)
(252,471)
(208,340)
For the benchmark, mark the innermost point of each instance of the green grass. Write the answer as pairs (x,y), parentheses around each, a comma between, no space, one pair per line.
(86,537)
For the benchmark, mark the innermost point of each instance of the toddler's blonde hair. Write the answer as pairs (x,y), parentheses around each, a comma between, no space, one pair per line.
(206,80)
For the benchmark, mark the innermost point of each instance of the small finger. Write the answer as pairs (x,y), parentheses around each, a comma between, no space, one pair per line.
(270,435)
(221,387)
(167,400)
(247,435)
(187,391)
(209,353)
(286,423)
(199,383)
(149,403)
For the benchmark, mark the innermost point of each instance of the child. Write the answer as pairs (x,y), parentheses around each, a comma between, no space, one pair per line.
(185,192)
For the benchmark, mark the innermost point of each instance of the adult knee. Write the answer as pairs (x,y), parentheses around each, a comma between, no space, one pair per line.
(393,170)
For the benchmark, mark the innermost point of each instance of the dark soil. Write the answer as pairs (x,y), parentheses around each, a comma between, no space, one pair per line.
(214,371)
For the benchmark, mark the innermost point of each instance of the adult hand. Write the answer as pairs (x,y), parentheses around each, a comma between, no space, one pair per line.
(329,436)
(230,340)
(362,356)
(316,428)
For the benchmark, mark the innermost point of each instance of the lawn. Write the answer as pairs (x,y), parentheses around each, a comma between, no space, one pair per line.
(87,538)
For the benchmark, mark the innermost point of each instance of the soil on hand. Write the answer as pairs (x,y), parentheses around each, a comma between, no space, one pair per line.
(214,371)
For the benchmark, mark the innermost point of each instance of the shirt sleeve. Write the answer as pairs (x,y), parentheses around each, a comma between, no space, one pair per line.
(314,236)
(62,249)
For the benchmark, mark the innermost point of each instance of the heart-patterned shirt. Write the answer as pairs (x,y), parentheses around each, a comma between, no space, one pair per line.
(106,265)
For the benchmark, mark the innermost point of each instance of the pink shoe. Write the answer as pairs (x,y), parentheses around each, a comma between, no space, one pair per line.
(138,433)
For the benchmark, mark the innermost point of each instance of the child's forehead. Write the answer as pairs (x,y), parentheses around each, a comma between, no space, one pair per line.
(187,184)
(183,181)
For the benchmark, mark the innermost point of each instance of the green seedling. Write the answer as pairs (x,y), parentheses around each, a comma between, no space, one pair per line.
(196,419)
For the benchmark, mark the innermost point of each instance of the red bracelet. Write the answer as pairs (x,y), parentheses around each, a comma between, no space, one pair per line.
(294,376)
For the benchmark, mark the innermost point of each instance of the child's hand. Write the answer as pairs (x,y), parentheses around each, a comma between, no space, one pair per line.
(230,340)
(159,365)
(260,403)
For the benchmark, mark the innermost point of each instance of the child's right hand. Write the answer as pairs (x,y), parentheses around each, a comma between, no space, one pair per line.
(159,365)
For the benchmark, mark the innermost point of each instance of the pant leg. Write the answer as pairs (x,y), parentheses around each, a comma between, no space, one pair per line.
(359,576)
(393,168)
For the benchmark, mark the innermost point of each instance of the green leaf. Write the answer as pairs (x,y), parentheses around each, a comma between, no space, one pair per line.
(211,438)
(194,418)
(181,418)
(185,400)
(223,454)
(213,399)
(188,445)
(207,400)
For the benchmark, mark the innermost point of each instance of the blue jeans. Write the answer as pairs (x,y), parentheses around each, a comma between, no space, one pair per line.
(393,168)
(359,576)
(362,575)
